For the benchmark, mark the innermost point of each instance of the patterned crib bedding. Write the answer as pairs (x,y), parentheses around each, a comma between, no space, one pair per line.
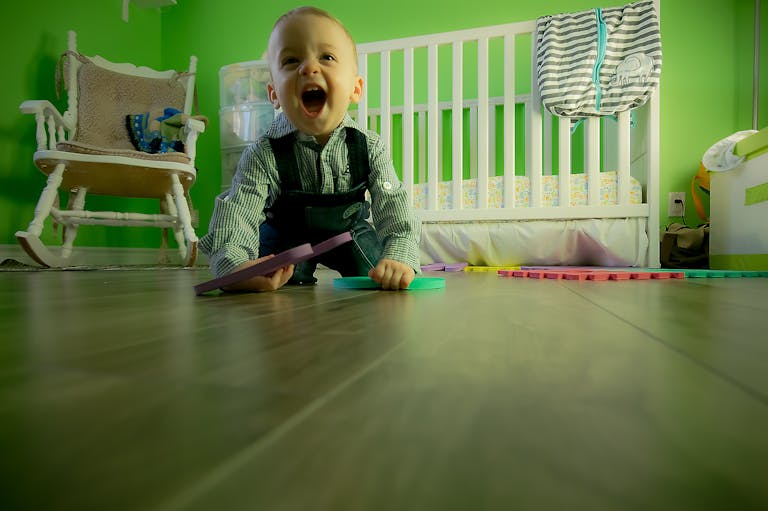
(550,196)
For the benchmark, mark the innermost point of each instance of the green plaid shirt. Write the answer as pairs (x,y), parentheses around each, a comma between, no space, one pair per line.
(233,234)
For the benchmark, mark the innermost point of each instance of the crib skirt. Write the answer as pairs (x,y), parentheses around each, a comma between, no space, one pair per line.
(579,242)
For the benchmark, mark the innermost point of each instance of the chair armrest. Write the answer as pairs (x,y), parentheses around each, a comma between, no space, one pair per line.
(189,132)
(47,116)
(194,124)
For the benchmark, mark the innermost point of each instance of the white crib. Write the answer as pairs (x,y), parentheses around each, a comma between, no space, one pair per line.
(486,192)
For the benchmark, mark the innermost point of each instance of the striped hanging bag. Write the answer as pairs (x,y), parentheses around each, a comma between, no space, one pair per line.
(598,62)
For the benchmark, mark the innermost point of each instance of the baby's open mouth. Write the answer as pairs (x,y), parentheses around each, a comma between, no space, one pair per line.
(313,100)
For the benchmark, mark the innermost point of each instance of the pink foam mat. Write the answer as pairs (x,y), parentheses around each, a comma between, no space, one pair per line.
(588,273)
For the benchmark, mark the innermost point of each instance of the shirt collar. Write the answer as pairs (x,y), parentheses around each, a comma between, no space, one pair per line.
(282,126)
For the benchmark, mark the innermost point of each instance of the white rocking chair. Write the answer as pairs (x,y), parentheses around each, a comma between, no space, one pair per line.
(88,149)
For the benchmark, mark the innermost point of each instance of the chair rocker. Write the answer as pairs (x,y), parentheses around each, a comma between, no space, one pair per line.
(89,150)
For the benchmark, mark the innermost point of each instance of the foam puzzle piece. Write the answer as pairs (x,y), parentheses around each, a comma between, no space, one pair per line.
(493,268)
(331,243)
(293,255)
(587,273)
(444,267)
(656,273)
(716,274)
(465,267)
(369,283)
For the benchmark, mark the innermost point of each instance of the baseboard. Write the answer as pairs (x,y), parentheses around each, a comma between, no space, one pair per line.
(103,256)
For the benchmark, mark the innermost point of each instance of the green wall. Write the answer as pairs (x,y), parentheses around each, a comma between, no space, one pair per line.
(706,91)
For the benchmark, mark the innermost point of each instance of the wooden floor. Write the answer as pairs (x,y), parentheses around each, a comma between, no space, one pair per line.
(122,390)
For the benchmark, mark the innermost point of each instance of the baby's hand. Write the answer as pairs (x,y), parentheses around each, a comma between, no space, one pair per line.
(270,282)
(392,274)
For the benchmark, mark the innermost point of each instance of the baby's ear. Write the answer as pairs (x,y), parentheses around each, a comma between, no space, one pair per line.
(357,90)
(272,95)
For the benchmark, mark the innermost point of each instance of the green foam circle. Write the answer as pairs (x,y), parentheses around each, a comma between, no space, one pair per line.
(368,283)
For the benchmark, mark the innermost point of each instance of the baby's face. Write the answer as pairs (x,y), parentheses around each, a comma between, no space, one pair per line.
(314,73)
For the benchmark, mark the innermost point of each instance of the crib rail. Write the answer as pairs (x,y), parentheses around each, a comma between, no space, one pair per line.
(487,126)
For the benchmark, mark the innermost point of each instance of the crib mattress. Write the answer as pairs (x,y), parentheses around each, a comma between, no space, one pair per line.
(550,193)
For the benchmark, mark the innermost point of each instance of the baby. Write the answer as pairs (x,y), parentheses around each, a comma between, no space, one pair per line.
(305,179)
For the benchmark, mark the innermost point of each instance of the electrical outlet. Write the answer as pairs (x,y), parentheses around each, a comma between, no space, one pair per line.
(676,204)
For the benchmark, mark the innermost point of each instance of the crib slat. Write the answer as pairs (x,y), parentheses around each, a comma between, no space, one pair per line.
(408,122)
(440,126)
(592,159)
(433,175)
(457,127)
(473,141)
(533,135)
(622,143)
(362,105)
(385,116)
(491,141)
(546,118)
(509,121)
(564,161)
(422,134)
(482,123)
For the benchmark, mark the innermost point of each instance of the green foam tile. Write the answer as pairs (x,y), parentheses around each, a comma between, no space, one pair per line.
(368,283)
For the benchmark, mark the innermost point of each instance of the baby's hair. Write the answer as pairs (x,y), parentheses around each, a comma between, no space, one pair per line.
(308,9)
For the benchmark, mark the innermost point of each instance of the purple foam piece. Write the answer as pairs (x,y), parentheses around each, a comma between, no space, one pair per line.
(456,266)
(293,255)
(433,267)
(331,243)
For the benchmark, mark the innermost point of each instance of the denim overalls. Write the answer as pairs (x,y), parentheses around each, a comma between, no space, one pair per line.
(299,217)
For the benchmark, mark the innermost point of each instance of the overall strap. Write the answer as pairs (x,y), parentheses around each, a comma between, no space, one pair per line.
(285,158)
(288,168)
(359,164)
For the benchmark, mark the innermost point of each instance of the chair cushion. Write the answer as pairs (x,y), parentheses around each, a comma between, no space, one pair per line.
(79,147)
(106,97)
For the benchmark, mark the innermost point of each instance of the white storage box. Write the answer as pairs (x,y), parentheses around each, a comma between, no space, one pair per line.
(739,209)
(229,160)
(244,82)
(245,111)
(244,123)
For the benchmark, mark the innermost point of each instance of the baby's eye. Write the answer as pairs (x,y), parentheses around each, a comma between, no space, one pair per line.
(287,61)
(327,56)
